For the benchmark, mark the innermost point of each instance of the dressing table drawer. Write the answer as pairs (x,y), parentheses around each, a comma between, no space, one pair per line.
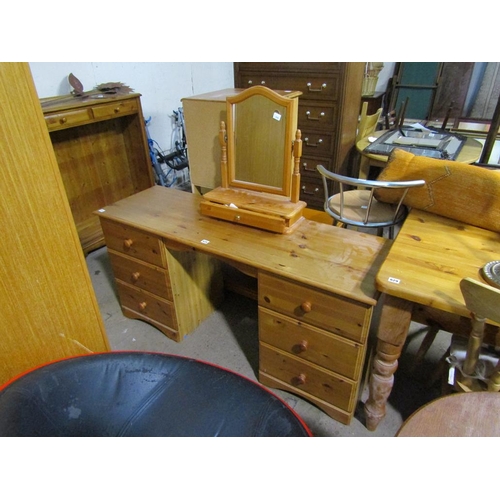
(311,344)
(139,274)
(304,377)
(336,314)
(134,243)
(147,305)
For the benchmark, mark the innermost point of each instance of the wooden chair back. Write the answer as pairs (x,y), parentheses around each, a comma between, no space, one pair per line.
(367,123)
(483,302)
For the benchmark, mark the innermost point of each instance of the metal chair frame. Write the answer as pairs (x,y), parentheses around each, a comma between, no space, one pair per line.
(398,210)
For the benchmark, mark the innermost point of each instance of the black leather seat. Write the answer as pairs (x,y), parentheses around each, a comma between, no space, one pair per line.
(141,394)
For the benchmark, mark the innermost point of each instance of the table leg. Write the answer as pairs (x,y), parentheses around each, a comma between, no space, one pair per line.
(393,328)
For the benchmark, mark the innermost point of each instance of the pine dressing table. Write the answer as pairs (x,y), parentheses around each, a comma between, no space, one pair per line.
(316,287)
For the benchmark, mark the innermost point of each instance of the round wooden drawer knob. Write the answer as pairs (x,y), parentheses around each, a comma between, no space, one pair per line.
(302,346)
(128,243)
(300,379)
(136,276)
(306,306)
(142,306)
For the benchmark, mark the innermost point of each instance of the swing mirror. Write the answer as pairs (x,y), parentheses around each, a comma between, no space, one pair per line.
(260,132)
(260,155)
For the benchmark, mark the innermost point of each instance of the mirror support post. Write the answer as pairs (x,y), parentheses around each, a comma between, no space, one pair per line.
(223,159)
(297,153)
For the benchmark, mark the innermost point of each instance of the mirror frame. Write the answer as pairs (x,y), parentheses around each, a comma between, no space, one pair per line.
(288,104)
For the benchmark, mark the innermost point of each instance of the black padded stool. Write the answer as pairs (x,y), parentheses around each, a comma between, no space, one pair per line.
(141,394)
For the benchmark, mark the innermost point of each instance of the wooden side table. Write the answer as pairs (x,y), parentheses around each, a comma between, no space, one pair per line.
(468,414)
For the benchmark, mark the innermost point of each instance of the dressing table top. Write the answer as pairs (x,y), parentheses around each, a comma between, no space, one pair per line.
(330,258)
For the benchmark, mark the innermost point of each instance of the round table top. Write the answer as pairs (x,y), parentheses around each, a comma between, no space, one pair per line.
(468,414)
(470,152)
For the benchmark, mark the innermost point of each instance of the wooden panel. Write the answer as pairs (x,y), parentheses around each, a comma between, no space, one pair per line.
(198,287)
(344,317)
(307,377)
(134,243)
(48,309)
(309,343)
(134,272)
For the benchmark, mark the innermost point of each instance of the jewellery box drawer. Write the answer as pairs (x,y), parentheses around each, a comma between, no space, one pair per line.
(307,377)
(134,272)
(133,242)
(147,305)
(340,315)
(306,342)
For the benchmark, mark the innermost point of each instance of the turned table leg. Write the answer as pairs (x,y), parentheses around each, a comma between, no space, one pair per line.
(393,328)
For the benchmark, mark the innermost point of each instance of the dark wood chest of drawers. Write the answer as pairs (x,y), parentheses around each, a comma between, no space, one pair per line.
(328,113)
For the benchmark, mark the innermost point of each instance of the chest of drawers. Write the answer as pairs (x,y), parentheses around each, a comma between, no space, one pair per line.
(312,343)
(174,290)
(328,113)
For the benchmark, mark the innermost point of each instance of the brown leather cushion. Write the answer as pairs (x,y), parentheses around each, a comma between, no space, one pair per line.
(460,191)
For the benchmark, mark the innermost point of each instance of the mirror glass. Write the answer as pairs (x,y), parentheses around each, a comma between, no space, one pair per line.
(259,144)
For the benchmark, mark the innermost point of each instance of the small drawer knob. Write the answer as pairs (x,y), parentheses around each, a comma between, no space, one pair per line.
(63,120)
(300,379)
(302,346)
(128,243)
(136,276)
(117,110)
(142,306)
(306,306)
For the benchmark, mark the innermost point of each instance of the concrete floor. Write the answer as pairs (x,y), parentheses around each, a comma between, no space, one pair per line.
(229,337)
